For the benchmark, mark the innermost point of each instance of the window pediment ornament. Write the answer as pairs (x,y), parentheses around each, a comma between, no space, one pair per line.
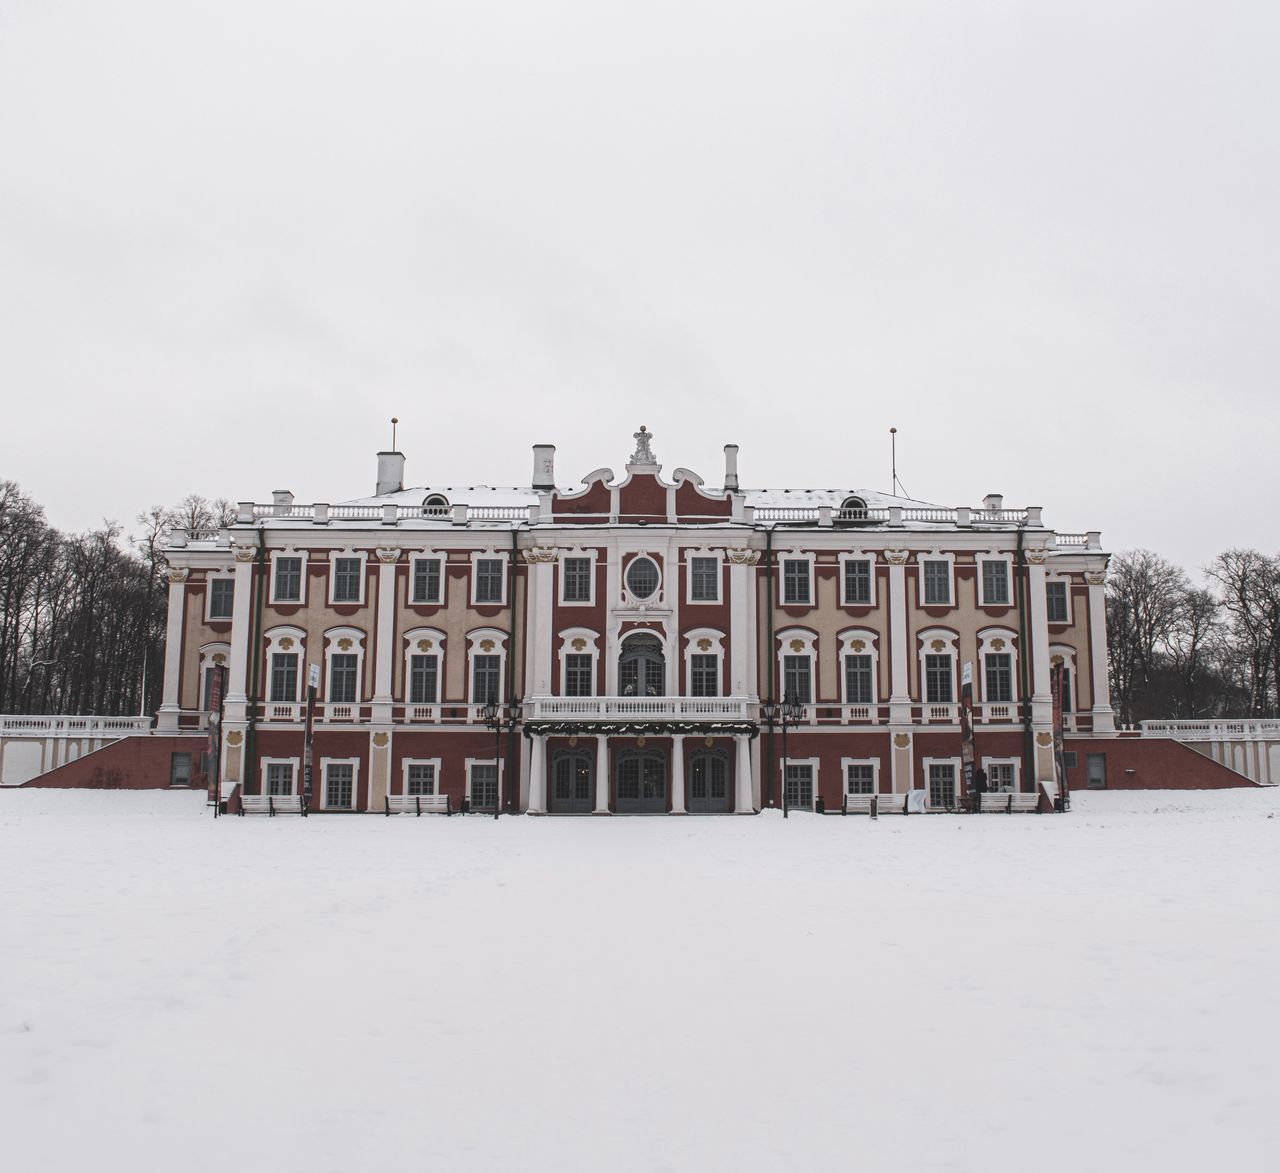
(1036,557)
(178,574)
(938,645)
(897,557)
(740,556)
(1096,578)
(245,553)
(540,554)
(388,555)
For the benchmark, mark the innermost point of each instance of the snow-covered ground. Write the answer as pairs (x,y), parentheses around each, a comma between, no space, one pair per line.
(1090,991)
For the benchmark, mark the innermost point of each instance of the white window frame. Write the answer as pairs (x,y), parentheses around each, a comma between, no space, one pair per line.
(1068,654)
(474,640)
(295,763)
(986,637)
(957,768)
(590,648)
(363,557)
(869,639)
(501,763)
(718,557)
(814,764)
(874,763)
(858,556)
(585,555)
(209,654)
(354,763)
(404,772)
(785,556)
(477,556)
(1016,763)
(272,644)
(924,641)
(658,598)
(332,637)
(437,641)
(809,639)
(1065,579)
(210,578)
(995,556)
(691,649)
(440,559)
(936,556)
(272,598)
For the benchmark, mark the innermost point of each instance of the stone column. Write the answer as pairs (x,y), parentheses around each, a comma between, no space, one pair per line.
(899,678)
(741,618)
(384,649)
(602,775)
(170,707)
(1041,691)
(241,624)
(537,775)
(1104,720)
(541,586)
(744,798)
(677,774)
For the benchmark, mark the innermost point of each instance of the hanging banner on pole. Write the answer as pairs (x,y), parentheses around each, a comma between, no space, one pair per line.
(966,724)
(213,752)
(1058,677)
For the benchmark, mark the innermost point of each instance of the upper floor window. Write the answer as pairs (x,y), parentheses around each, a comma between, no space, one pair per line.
(284,676)
(342,677)
(427,580)
(221,595)
(704,675)
(486,678)
(1055,591)
(859,680)
(576,580)
(797,678)
(288,580)
(995,582)
(436,505)
(642,577)
(999,669)
(579,670)
(346,580)
(857,582)
(937,679)
(853,509)
(704,580)
(489,580)
(424,678)
(795,581)
(936,573)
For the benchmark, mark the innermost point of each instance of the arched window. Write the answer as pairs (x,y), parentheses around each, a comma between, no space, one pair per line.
(853,509)
(437,505)
(642,667)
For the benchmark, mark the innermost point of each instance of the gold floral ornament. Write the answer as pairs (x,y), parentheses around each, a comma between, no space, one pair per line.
(1044,740)
(704,645)
(344,644)
(708,741)
(286,643)
(579,644)
(797,645)
(857,644)
(219,658)
(939,645)
(997,645)
(1056,660)
(380,740)
(486,645)
(235,738)
(425,645)
(902,740)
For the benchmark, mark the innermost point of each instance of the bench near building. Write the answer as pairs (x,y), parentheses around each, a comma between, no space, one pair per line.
(629,645)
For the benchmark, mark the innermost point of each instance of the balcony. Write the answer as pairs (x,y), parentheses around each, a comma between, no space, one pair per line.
(707,709)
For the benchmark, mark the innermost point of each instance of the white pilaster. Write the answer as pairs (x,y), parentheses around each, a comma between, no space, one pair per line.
(1104,720)
(384,646)
(677,774)
(241,622)
(170,707)
(899,681)
(602,775)
(538,661)
(1041,693)
(537,775)
(743,798)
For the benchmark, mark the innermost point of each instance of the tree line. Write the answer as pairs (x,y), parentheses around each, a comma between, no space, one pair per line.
(82,620)
(82,616)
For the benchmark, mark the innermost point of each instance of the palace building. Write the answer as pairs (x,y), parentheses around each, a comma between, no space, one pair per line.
(635,644)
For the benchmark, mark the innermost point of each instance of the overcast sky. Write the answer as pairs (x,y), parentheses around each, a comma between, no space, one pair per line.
(1041,239)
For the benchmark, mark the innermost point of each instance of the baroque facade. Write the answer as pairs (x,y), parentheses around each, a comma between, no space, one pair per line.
(652,645)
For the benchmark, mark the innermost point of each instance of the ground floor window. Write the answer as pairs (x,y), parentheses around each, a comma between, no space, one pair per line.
(798,784)
(180,769)
(339,785)
(1001,776)
(484,786)
(942,785)
(279,778)
(860,778)
(420,778)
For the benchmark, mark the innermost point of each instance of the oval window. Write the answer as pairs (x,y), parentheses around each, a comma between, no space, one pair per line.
(642,577)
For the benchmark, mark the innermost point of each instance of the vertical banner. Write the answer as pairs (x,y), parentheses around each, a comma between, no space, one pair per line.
(966,726)
(1058,679)
(213,752)
(313,682)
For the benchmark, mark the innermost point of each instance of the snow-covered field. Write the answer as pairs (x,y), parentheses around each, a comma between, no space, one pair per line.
(1090,991)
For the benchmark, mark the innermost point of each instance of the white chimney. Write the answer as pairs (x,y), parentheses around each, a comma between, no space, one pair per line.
(731,466)
(281,502)
(390,473)
(544,466)
(993,501)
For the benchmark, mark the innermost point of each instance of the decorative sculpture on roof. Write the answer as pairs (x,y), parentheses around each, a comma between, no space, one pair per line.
(643,453)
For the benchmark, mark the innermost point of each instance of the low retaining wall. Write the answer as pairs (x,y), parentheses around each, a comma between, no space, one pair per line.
(143,762)
(1149,763)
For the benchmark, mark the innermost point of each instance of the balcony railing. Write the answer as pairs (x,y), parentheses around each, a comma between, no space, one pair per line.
(635,708)
(33,725)
(1243,730)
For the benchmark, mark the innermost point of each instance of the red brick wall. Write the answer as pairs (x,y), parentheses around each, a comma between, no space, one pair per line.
(133,763)
(1149,764)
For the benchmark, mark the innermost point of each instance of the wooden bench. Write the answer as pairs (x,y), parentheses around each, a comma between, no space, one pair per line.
(874,804)
(1009,801)
(418,804)
(272,804)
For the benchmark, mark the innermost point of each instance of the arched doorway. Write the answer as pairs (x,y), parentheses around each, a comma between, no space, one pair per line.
(708,783)
(641,782)
(571,776)
(642,667)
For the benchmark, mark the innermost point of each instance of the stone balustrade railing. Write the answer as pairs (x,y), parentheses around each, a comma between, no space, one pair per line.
(1219,730)
(38,725)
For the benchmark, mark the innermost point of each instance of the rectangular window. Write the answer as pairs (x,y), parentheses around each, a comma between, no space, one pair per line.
(486,678)
(860,778)
(704,675)
(1056,599)
(426,580)
(937,582)
(857,582)
(576,574)
(995,582)
(180,769)
(421,778)
(284,677)
(799,785)
(221,594)
(937,680)
(279,778)
(578,674)
(342,678)
(288,584)
(859,688)
(795,581)
(999,677)
(489,580)
(339,785)
(424,675)
(1066,690)
(484,786)
(797,679)
(1000,776)
(942,785)
(704,580)
(346,580)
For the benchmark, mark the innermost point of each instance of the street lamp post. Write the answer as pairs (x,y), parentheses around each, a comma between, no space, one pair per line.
(499,718)
(786,715)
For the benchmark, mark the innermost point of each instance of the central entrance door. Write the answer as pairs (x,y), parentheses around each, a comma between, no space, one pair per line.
(642,782)
(642,667)
(571,783)
(709,783)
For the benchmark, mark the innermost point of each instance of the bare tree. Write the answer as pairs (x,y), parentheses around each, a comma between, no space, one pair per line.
(1145,595)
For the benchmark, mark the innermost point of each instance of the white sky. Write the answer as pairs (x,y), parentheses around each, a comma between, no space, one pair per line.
(1039,238)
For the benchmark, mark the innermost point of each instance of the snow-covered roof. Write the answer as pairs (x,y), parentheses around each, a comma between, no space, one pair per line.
(500,495)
